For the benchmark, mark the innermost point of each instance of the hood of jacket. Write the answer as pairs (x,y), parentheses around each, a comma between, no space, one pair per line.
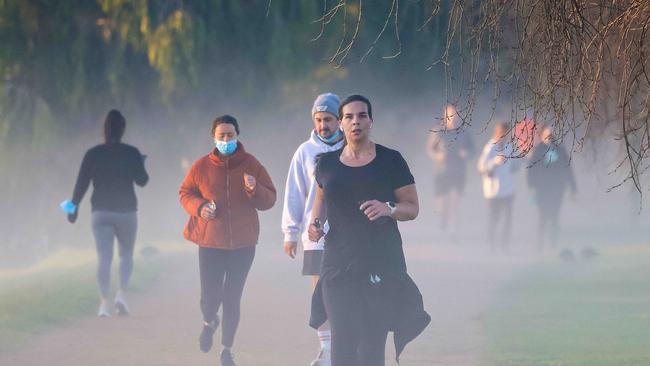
(316,141)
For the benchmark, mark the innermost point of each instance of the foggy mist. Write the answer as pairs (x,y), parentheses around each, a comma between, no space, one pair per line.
(583,302)
(459,281)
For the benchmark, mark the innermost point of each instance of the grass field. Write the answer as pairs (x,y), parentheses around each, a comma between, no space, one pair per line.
(592,312)
(55,291)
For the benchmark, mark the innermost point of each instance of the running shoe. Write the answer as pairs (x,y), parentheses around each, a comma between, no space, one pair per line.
(121,308)
(227,359)
(104,311)
(323,359)
(205,340)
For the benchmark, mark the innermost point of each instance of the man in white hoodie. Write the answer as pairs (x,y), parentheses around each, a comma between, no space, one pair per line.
(299,196)
(497,168)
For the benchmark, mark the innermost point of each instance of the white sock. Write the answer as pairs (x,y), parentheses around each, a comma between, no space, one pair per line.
(325,338)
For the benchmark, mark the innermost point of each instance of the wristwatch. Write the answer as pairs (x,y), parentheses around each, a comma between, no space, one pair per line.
(393,207)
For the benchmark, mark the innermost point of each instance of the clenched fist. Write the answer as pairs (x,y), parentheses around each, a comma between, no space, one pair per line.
(208,210)
(249,182)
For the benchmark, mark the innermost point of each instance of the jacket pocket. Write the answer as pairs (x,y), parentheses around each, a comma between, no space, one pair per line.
(195,229)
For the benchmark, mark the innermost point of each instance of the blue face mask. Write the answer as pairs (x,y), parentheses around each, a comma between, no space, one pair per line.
(331,139)
(551,157)
(226,147)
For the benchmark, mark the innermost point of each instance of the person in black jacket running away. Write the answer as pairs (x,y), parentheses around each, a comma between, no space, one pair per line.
(112,167)
(549,176)
(364,290)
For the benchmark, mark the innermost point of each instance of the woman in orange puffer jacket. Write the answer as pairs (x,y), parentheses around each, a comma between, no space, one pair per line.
(222,193)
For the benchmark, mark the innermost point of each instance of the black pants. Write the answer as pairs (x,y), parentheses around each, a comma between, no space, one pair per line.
(549,219)
(500,213)
(223,276)
(357,338)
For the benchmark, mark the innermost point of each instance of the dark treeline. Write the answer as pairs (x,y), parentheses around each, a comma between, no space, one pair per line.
(169,66)
(71,59)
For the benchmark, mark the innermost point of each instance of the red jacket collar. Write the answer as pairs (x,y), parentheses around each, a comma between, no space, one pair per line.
(233,160)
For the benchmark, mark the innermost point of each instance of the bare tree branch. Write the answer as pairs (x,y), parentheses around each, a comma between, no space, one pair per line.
(565,62)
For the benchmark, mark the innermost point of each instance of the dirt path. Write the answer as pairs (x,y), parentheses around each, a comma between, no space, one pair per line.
(164,327)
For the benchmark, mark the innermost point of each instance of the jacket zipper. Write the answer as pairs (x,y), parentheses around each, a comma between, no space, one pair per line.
(228,203)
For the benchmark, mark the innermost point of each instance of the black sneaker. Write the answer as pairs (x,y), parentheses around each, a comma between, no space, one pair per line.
(205,340)
(226,358)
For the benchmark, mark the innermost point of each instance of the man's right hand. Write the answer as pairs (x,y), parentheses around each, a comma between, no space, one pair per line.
(290,248)
(207,212)
(315,232)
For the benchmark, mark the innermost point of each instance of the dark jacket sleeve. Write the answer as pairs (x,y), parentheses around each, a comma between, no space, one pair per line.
(83,179)
(412,319)
(536,164)
(140,176)
(318,315)
(400,299)
(568,169)
(572,180)
(469,145)
(264,195)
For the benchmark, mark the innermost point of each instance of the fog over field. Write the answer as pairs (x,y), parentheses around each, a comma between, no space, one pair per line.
(172,67)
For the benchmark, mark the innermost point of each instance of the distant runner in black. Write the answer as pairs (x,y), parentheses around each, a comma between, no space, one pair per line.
(450,149)
(549,176)
(364,289)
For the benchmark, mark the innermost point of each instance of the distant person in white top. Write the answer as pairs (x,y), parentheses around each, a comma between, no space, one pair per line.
(299,196)
(497,168)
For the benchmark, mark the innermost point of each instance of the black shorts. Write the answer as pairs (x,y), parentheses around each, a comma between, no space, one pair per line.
(312,262)
(445,183)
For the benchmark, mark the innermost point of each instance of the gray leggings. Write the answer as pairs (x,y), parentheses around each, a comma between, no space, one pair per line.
(107,226)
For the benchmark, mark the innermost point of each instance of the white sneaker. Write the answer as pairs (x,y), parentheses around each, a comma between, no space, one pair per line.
(121,308)
(104,311)
(323,359)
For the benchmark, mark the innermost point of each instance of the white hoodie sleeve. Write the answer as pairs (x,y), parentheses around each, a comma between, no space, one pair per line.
(295,195)
(486,161)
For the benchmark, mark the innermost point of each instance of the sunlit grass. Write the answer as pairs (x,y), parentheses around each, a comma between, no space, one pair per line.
(60,260)
(53,292)
(591,312)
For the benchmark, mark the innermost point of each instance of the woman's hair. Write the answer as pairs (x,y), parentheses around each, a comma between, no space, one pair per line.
(114,126)
(225,119)
(355,98)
